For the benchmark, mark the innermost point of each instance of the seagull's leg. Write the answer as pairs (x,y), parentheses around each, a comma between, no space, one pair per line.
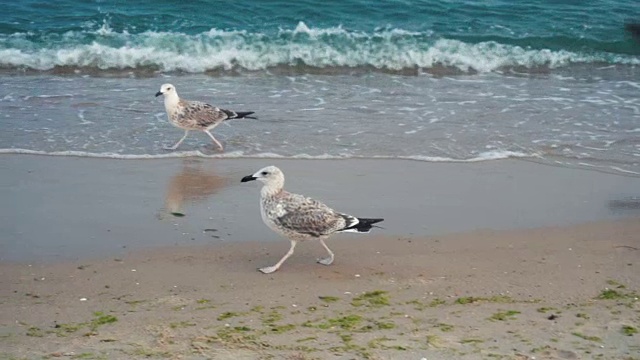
(327,260)
(186,132)
(270,269)
(214,140)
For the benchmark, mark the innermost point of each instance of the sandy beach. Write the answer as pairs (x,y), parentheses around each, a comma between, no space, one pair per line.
(157,259)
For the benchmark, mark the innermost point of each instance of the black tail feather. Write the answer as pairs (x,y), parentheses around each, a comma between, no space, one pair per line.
(245,115)
(363,225)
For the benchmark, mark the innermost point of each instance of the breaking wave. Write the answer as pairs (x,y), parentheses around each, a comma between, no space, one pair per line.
(301,47)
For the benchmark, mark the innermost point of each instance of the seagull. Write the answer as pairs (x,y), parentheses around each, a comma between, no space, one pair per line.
(195,115)
(299,218)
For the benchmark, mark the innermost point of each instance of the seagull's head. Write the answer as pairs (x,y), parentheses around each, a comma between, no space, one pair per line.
(166,90)
(270,176)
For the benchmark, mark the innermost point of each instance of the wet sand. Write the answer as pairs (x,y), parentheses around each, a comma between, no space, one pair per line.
(87,207)
(505,259)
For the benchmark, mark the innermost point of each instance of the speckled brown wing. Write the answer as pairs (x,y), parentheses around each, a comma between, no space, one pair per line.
(203,114)
(308,216)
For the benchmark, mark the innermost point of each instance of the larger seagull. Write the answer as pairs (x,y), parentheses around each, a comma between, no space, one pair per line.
(195,115)
(299,218)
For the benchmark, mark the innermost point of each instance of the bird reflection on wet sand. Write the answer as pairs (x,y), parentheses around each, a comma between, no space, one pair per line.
(194,183)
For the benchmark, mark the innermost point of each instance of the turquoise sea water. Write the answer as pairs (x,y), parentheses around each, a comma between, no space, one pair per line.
(552,81)
(199,36)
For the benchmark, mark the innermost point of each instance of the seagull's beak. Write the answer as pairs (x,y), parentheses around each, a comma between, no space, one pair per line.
(158,93)
(248,178)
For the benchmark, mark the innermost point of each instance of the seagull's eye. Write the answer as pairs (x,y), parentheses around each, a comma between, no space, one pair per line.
(264,173)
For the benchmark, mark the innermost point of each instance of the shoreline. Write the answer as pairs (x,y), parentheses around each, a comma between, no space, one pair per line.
(551,161)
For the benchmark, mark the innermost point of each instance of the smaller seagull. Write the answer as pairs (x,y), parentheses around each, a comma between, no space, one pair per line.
(299,218)
(195,115)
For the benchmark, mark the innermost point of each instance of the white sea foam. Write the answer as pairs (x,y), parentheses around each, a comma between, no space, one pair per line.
(485,156)
(625,171)
(393,49)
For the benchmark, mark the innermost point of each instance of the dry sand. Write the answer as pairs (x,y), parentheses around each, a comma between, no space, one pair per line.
(545,292)
(521,294)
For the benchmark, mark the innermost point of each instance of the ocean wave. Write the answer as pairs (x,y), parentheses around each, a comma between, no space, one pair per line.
(219,50)
(485,156)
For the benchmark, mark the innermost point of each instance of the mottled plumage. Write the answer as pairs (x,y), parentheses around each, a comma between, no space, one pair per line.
(195,115)
(299,218)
